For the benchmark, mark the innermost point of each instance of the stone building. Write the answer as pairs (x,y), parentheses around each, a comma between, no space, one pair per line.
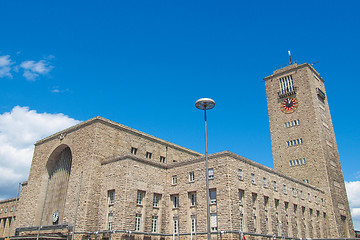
(100,179)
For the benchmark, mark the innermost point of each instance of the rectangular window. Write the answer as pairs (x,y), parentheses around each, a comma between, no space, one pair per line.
(133,150)
(264,182)
(254,197)
(266,200)
(137,222)
(240,174)
(213,222)
(285,190)
(255,223)
(192,197)
(275,187)
(156,200)
(304,161)
(241,223)
(286,84)
(241,196)
(253,178)
(175,200)
(276,203)
(174,180)
(162,159)
(154,223)
(301,194)
(193,223)
(176,225)
(212,196)
(110,220)
(140,196)
(191,176)
(211,173)
(309,197)
(148,155)
(111,197)
(293,192)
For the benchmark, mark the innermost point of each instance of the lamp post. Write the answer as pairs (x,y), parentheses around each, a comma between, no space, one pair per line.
(206,104)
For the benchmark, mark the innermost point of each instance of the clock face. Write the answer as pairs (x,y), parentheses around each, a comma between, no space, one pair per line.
(55,216)
(289,105)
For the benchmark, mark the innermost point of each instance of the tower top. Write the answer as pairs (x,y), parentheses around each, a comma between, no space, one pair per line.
(291,68)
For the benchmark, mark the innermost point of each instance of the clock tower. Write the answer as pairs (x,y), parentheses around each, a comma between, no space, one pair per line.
(303,139)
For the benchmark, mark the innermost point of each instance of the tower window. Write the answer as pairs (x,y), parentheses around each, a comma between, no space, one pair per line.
(111,197)
(162,159)
(253,178)
(192,197)
(148,155)
(137,222)
(286,84)
(240,174)
(175,201)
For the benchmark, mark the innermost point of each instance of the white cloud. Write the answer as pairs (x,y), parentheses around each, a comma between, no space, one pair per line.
(33,69)
(19,130)
(5,66)
(353,192)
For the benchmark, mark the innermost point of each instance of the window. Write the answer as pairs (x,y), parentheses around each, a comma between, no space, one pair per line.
(211,173)
(253,178)
(12,208)
(154,223)
(241,223)
(286,84)
(264,182)
(285,190)
(174,180)
(193,223)
(111,197)
(6,209)
(275,187)
(254,197)
(192,197)
(241,197)
(213,222)
(309,197)
(162,159)
(156,200)
(191,176)
(240,174)
(137,222)
(293,192)
(110,220)
(266,200)
(148,155)
(295,208)
(176,225)
(140,196)
(133,150)
(254,223)
(175,200)
(301,194)
(276,203)
(294,142)
(212,196)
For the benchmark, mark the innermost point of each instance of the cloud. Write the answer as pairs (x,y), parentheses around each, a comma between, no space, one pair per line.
(33,69)
(19,130)
(353,192)
(5,66)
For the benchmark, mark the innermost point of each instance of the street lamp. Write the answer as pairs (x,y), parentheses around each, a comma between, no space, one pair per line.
(206,104)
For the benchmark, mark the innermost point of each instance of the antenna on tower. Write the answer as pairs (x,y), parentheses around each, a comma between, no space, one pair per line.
(290,57)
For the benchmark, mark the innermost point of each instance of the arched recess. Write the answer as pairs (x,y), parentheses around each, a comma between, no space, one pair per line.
(59,168)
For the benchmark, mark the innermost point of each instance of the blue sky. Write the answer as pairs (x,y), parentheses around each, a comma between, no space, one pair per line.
(145,63)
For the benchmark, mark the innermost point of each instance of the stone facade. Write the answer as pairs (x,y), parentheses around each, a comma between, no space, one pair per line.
(102,179)
(7,208)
